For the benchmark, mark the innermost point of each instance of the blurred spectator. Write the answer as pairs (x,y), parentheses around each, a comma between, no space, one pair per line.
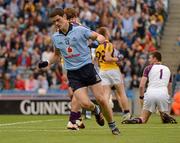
(131,86)
(31,84)
(138,69)
(42,83)
(12,57)
(128,24)
(149,45)
(176,103)
(1,81)
(19,82)
(127,69)
(29,6)
(24,60)
(141,25)
(14,9)
(7,82)
(54,81)
(178,41)
(13,72)
(135,27)
(137,45)
(177,81)
(153,29)
(135,82)
(47,54)
(35,58)
(3,65)
(85,15)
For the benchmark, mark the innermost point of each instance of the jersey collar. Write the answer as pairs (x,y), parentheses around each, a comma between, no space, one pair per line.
(69,29)
(157,63)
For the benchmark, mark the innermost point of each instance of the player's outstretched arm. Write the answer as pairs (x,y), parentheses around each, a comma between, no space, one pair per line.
(109,54)
(98,37)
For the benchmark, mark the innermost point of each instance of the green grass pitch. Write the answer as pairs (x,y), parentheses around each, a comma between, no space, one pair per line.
(52,129)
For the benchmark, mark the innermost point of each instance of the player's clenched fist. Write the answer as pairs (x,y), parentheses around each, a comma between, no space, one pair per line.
(43,64)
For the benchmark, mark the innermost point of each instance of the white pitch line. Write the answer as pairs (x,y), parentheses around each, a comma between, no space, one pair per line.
(65,130)
(51,130)
(34,130)
(92,128)
(29,122)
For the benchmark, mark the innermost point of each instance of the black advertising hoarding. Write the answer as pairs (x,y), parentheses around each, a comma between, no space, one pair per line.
(38,105)
(34,107)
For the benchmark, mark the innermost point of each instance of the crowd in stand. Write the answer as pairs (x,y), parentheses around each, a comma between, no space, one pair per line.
(136,27)
(178,41)
(176,98)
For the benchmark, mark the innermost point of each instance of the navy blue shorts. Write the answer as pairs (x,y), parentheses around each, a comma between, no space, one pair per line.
(83,77)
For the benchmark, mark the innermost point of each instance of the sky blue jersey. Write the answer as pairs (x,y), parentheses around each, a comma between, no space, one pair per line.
(73,46)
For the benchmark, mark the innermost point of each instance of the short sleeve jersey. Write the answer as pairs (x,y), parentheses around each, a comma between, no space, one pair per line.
(158,75)
(73,46)
(100,55)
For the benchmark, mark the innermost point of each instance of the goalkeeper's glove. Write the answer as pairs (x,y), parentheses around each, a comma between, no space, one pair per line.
(43,64)
(120,57)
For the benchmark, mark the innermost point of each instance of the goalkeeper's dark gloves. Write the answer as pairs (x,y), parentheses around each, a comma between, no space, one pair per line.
(43,64)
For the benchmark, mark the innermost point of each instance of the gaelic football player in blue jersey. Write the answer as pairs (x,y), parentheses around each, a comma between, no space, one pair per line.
(71,15)
(71,42)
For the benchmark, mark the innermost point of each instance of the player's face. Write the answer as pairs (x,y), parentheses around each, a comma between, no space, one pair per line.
(73,20)
(59,22)
(151,59)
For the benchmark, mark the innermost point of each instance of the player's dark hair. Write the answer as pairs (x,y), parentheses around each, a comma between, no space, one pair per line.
(56,11)
(157,55)
(70,13)
(102,31)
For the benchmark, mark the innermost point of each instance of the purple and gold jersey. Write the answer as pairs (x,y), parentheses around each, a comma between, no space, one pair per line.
(100,55)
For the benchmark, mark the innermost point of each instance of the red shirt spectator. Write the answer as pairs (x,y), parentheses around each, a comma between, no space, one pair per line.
(24,59)
(19,83)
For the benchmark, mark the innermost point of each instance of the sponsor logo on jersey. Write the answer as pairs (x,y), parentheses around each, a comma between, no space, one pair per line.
(70,54)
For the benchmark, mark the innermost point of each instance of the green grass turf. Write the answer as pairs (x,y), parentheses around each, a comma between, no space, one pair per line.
(52,129)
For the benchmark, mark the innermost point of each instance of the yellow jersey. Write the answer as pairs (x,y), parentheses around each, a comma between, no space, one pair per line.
(100,56)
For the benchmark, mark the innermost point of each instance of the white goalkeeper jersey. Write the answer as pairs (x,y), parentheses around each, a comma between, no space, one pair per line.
(158,76)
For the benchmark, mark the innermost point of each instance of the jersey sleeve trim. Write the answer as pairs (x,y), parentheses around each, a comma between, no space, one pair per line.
(147,70)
